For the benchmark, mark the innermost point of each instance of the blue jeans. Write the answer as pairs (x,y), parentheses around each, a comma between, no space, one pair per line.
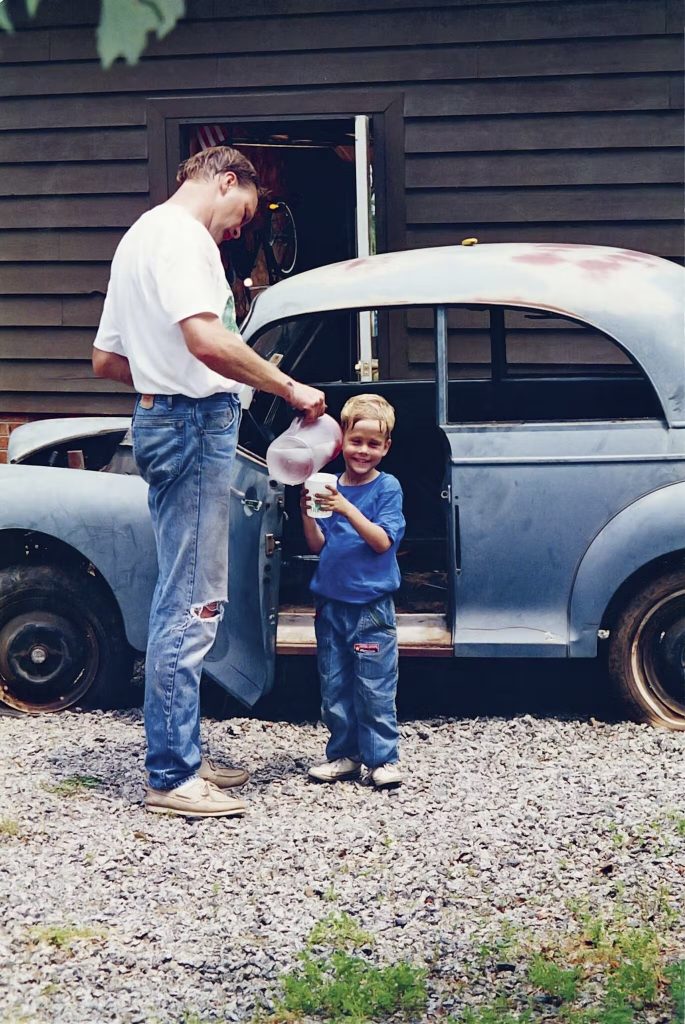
(358,666)
(184,449)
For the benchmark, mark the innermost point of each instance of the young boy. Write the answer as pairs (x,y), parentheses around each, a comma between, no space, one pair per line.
(357,573)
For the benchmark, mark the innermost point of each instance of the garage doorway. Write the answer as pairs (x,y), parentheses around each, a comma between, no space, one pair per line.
(336,159)
(308,168)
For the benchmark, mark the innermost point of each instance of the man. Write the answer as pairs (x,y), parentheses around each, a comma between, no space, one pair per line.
(168,328)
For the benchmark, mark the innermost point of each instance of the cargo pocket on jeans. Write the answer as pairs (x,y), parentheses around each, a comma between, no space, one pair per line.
(382,618)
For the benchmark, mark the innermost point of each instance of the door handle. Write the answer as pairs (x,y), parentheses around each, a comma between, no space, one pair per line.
(253,504)
(271,545)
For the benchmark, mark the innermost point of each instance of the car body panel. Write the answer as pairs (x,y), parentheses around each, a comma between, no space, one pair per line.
(102,516)
(651,527)
(518,605)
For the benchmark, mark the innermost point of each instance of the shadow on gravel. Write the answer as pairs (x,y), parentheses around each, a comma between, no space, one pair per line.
(433,687)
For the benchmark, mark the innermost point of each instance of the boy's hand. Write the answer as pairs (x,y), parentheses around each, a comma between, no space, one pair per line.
(333,501)
(305,503)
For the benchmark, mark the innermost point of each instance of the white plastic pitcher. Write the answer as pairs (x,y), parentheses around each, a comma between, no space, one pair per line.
(303,449)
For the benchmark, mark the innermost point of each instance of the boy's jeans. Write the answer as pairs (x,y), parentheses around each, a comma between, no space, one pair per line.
(184,448)
(358,666)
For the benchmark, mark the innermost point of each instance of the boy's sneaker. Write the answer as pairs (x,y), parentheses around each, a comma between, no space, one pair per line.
(224,778)
(335,771)
(386,775)
(196,798)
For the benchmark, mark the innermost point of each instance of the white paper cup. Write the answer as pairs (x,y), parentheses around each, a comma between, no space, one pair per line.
(316,484)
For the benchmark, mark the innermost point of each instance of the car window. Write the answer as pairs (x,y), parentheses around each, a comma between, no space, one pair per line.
(323,349)
(546,344)
(543,368)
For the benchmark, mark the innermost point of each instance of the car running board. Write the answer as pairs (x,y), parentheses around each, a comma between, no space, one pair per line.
(419,634)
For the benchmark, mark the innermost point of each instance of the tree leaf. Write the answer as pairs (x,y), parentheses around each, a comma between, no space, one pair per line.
(124,25)
(5,23)
(168,12)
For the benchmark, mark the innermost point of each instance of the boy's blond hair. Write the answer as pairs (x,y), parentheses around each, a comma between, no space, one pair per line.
(368,407)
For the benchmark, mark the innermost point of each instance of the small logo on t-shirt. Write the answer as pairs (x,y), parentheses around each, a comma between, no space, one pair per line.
(228,316)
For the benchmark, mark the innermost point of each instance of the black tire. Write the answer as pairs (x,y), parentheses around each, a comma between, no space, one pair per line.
(62,641)
(647,652)
(282,238)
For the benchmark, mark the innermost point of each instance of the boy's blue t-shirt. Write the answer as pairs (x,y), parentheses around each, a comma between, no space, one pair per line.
(349,569)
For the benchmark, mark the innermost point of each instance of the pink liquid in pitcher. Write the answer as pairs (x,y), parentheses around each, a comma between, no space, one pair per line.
(303,449)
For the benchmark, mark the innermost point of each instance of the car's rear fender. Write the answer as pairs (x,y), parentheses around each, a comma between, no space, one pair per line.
(650,529)
(102,516)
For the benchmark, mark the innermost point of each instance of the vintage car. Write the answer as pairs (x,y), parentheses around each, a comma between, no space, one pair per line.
(540,443)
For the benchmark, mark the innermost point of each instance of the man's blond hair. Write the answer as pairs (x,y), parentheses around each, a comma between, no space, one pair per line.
(368,407)
(217,160)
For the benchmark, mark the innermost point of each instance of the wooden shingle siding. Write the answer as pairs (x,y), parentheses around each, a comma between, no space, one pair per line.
(530,120)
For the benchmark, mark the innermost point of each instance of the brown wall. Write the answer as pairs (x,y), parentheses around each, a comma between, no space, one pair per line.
(547,119)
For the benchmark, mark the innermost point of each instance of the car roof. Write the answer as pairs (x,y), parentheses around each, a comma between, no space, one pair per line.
(636,298)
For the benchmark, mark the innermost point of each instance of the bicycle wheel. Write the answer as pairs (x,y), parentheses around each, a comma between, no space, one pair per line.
(282,237)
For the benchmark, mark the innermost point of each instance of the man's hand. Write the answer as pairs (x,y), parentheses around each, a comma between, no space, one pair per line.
(306,399)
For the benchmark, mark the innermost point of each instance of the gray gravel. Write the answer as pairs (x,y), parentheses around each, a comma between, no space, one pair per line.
(500,820)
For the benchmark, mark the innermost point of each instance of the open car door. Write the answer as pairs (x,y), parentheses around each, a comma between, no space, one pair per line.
(243,657)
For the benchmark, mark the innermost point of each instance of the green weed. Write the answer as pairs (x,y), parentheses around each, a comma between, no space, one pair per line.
(503,947)
(498,1013)
(332,983)
(62,936)
(348,988)
(330,895)
(554,980)
(9,827)
(675,978)
(74,784)
(678,822)
(339,931)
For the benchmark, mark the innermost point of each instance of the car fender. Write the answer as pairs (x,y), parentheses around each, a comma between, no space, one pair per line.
(103,516)
(651,527)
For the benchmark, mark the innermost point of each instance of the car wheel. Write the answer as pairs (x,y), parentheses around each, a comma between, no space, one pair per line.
(647,652)
(61,641)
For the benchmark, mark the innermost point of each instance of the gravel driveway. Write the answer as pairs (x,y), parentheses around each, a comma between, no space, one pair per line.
(501,820)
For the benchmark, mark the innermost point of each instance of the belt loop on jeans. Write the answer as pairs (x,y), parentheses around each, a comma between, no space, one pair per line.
(170,401)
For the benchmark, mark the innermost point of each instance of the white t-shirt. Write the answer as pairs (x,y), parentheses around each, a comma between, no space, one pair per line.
(167,267)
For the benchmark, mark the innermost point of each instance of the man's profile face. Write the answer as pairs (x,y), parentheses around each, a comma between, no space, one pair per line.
(236,206)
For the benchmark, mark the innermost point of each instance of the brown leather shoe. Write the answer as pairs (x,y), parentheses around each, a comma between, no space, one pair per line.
(224,778)
(197,799)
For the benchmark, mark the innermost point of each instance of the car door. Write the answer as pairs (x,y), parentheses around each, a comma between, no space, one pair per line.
(242,659)
(559,435)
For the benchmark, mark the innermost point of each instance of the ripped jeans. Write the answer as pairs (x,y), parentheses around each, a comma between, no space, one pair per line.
(184,449)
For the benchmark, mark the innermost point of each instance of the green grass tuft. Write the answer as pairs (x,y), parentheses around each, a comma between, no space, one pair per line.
(74,785)
(554,980)
(63,936)
(345,988)
(339,931)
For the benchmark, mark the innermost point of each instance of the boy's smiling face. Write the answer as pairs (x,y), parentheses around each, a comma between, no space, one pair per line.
(364,445)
